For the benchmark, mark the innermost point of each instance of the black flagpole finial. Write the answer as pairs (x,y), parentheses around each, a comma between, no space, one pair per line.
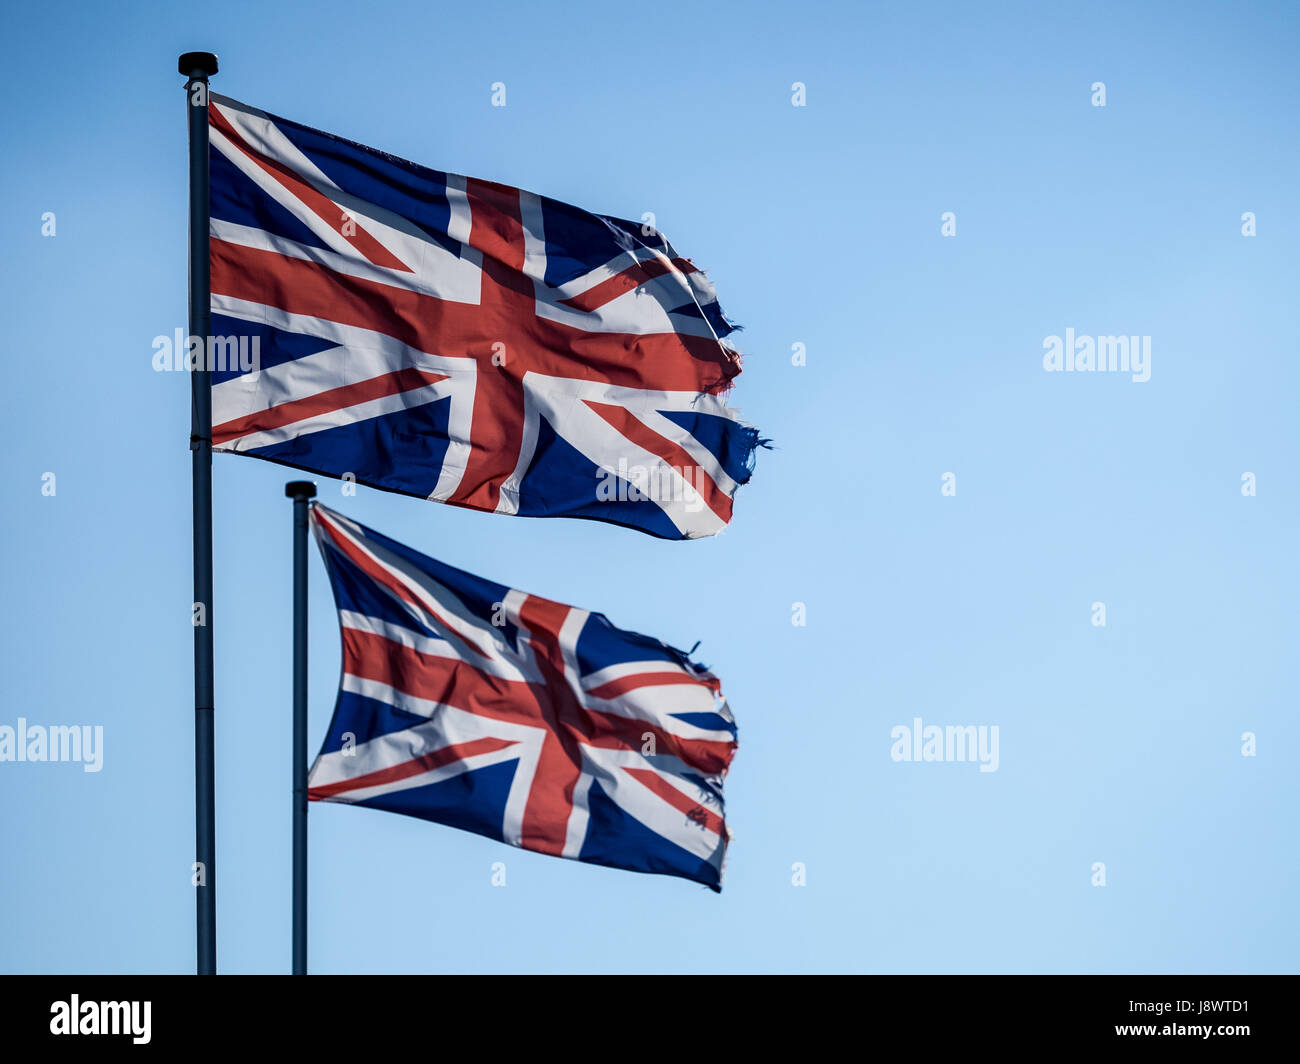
(192,61)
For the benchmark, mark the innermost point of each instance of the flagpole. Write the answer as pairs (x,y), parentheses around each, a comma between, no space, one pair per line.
(197,67)
(301,492)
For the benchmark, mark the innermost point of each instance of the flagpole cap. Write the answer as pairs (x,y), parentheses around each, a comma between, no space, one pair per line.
(188,63)
(300,489)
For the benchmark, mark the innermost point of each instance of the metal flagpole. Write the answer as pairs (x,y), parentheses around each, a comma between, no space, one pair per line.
(301,492)
(197,68)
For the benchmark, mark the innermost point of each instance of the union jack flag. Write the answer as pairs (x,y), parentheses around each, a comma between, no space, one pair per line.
(463,341)
(542,725)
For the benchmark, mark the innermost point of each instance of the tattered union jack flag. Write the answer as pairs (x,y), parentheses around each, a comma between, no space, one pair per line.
(542,725)
(461,340)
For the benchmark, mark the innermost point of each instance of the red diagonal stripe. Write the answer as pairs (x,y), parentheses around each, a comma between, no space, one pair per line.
(359,557)
(672,453)
(322,206)
(610,289)
(415,767)
(676,799)
(274,417)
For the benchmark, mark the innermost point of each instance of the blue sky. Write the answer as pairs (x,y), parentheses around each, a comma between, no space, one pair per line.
(820,225)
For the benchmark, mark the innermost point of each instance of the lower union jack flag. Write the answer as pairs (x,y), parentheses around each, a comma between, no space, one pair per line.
(460,340)
(542,725)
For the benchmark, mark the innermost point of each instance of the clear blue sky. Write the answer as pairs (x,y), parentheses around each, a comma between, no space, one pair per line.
(819,225)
